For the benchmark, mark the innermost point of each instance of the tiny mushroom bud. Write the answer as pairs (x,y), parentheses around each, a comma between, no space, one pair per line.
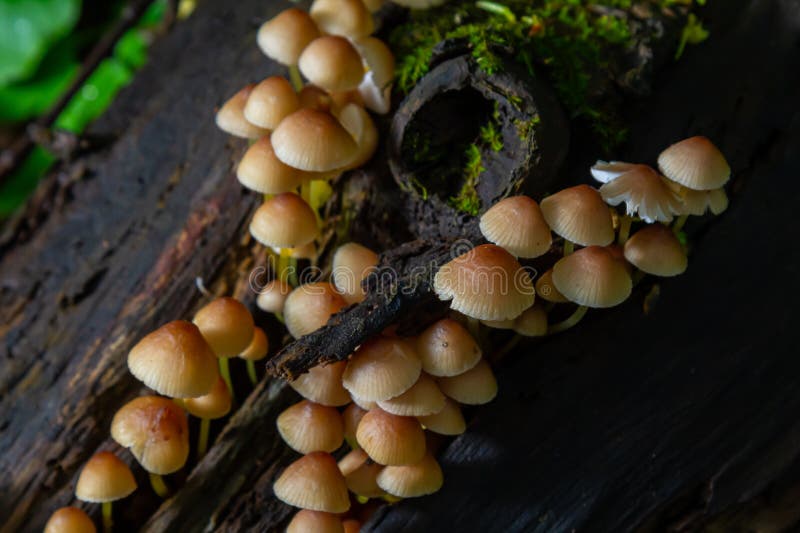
(423,398)
(347,18)
(382,368)
(260,170)
(307,521)
(309,307)
(314,141)
(273,296)
(579,215)
(156,432)
(323,384)
(390,439)
(517,225)
(644,193)
(592,277)
(271,101)
(695,163)
(284,37)
(410,481)
(69,520)
(532,322)
(448,421)
(447,349)
(655,250)
(227,326)
(474,387)
(351,264)
(258,347)
(332,63)
(310,427)
(486,283)
(313,482)
(230,117)
(174,360)
(284,221)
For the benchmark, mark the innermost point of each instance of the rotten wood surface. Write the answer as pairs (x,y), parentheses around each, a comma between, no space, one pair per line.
(655,421)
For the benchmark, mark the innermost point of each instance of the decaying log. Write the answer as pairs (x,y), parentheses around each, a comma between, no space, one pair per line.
(627,420)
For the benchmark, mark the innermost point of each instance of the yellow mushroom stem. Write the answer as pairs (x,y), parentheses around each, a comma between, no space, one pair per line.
(678,226)
(225,372)
(160,488)
(108,521)
(251,371)
(510,345)
(568,322)
(294,77)
(202,439)
(624,229)
(569,247)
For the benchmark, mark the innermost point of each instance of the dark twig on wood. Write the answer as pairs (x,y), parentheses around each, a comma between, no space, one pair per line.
(35,132)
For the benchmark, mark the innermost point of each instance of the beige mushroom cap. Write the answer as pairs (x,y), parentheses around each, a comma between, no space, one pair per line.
(390,439)
(215,404)
(476,386)
(645,194)
(308,521)
(382,368)
(516,224)
(272,100)
(310,306)
(580,215)
(446,348)
(284,221)
(655,250)
(314,141)
(104,478)
(323,384)
(260,170)
(311,427)
(227,326)
(313,482)
(411,481)
(284,37)
(352,263)
(347,18)
(230,117)
(69,520)
(592,277)
(695,163)
(332,63)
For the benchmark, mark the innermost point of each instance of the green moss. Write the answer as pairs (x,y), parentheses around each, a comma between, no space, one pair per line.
(467,199)
(491,136)
(525,128)
(564,38)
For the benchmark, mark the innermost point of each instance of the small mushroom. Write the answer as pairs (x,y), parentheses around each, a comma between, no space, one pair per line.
(390,439)
(346,18)
(579,215)
(323,384)
(284,37)
(448,421)
(695,163)
(382,368)
(352,263)
(273,296)
(255,351)
(272,100)
(314,141)
(332,63)
(313,482)
(422,399)
(260,170)
(230,117)
(655,250)
(284,221)
(308,521)
(69,520)
(104,479)
(532,322)
(360,126)
(310,306)
(516,224)
(411,481)
(447,349)
(476,386)
(215,404)
(311,427)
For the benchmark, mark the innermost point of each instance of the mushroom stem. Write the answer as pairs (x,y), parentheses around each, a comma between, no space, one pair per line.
(202,439)
(108,521)
(225,372)
(251,371)
(569,247)
(510,345)
(678,226)
(160,488)
(284,265)
(570,321)
(294,77)
(624,229)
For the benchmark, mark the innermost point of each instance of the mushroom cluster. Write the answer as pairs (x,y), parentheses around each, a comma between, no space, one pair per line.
(307,135)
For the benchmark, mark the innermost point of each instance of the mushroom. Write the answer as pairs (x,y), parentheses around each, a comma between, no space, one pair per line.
(215,404)
(272,100)
(446,348)
(645,194)
(590,277)
(273,296)
(352,416)
(360,126)
(104,479)
(69,520)
(516,224)
(422,399)
(474,387)
(284,37)
(323,384)
(410,481)
(655,250)
(486,283)
(390,439)
(260,170)
(230,117)
(228,327)
(313,482)
(381,368)
(310,306)
(448,421)
(532,322)
(579,215)
(306,521)
(255,351)
(311,427)
(174,360)
(352,263)
(548,291)
(332,63)
(352,461)
(376,86)
(360,474)
(346,18)
(314,141)
(157,433)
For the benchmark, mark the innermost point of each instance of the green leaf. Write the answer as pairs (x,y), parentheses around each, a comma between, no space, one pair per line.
(27,29)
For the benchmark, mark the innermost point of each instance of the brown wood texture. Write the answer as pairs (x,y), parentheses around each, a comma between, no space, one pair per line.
(655,421)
